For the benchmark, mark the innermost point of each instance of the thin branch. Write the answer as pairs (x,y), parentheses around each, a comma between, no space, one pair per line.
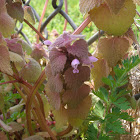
(82,26)
(40,35)
(66,11)
(8,82)
(41,19)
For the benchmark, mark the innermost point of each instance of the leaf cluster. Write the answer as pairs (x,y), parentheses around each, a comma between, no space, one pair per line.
(105,118)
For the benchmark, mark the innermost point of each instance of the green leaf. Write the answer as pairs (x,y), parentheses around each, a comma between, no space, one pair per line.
(92,132)
(122,103)
(99,109)
(102,93)
(29,15)
(108,81)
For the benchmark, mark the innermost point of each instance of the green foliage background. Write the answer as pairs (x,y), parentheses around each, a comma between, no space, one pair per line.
(57,23)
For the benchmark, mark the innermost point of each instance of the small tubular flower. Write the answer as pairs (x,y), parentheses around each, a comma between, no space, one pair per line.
(74,64)
(90,60)
(47,42)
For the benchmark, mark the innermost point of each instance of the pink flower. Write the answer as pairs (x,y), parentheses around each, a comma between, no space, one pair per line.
(47,42)
(75,64)
(90,60)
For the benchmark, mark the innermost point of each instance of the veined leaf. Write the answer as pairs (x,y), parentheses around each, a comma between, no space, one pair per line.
(14,57)
(114,24)
(87,5)
(112,49)
(5,66)
(29,15)
(15,10)
(99,71)
(115,5)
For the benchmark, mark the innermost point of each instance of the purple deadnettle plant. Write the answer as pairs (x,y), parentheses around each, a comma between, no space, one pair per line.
(67,70)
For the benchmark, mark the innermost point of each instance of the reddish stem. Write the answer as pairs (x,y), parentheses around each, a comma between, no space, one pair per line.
(66,10)
(40,35)
(66,131)
(13,81)
(37,95)
(41,19)
(82,26)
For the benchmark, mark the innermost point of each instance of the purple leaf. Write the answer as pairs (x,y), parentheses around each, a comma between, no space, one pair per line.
(81,111)
(55,83)
(73,98)
(54,98)
(64,40)
(14,46)
(79,48)
(57,60)
(75,80)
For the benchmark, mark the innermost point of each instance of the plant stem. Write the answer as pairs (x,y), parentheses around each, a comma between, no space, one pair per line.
(29,103)
(37,95)
(69,129)
(66,10)
(13,81)
(40,35)
(19,91)
(41,19)
(82,26)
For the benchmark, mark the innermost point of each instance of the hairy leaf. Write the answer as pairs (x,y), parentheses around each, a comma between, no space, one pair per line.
(15,10)
(2,40)
(26,47)
(65,40)
(14,46)
(54,98)
(115,5)
(14,57)
(131,36)
(114,24)
(61,117)
(55,83)
(113,49)
(81,111)
(7,24)
(79,48)
(57,60)
(29,15)
(87,5)
(38,52)
(2,5)
(75,80)
(99,71)
(31,71)
(5,60)
(73,98)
